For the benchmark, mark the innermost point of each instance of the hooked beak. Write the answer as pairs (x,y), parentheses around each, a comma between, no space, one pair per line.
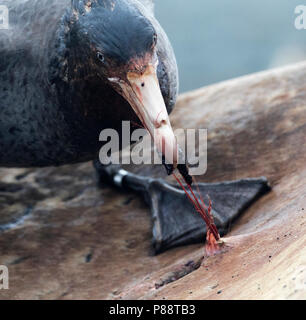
(143,93)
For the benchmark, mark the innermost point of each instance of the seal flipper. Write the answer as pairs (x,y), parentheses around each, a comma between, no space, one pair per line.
(175,221)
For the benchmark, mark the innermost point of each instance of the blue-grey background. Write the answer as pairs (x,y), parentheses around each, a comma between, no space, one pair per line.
(215,40)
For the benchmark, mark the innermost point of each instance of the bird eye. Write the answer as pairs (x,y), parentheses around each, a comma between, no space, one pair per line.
(100,56)
(154,40)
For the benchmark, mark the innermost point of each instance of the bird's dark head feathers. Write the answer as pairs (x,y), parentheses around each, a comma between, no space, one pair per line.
(113,44)
(110,33)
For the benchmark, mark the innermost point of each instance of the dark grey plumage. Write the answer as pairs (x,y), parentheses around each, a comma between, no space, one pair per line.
(55,98)
(52,108)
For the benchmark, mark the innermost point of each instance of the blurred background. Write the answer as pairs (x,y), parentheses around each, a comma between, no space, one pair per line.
(215,40)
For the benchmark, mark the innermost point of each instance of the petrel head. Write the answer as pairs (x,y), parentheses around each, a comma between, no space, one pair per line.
(119,41)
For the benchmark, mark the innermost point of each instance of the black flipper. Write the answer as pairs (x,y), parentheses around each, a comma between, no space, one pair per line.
(175,221)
